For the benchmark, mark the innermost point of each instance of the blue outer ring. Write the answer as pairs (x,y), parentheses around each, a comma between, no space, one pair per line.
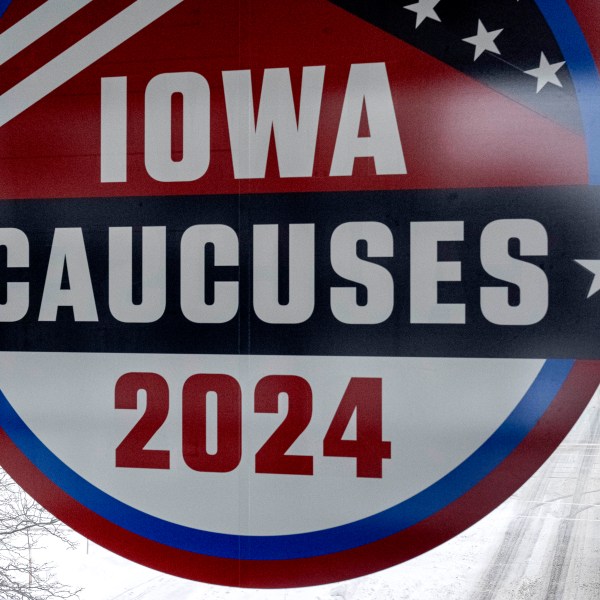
(424,504)
(584,72)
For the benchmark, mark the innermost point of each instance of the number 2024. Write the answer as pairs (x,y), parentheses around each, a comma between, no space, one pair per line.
(363,396)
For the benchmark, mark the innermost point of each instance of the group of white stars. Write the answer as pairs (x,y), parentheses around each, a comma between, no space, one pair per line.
(484,41)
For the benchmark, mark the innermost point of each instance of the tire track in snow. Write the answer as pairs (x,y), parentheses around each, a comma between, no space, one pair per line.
(562,562)
(507,575)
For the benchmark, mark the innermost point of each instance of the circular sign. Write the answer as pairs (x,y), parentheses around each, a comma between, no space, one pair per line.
(293,293)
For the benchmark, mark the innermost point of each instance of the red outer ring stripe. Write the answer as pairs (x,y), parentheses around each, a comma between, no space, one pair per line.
(562,414)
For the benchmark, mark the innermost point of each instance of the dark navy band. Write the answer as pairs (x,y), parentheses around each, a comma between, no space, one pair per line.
(570,216)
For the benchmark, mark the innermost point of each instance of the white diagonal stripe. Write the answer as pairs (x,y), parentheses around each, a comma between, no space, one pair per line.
(36,24)
(81,55)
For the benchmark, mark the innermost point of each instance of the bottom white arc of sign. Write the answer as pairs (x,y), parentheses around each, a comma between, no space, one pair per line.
(436,412)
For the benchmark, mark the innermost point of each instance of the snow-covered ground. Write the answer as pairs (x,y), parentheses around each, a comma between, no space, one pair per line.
(543,543)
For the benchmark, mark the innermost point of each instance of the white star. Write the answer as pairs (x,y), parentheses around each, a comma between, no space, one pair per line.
(425,9)
(594,267)
(546,73)
(484,40)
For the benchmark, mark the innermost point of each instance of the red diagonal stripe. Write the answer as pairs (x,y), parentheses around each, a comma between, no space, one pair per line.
(57,40)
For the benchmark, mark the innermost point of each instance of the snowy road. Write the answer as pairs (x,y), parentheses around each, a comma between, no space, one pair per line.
(542,544)
(551,548)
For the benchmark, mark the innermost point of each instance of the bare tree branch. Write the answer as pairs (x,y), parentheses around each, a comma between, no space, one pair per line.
(24,525)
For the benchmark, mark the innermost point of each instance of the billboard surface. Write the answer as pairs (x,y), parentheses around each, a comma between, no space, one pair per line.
(293,292)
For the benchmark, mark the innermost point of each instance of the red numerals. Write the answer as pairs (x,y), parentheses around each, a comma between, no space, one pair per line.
(363,398)
(222,393)
(228,396)
(273,457)
(132,452)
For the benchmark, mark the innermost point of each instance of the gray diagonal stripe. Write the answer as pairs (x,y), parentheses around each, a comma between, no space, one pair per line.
(81,55)
(36,24)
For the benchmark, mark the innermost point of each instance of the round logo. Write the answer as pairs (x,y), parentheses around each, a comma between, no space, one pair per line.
(291,294)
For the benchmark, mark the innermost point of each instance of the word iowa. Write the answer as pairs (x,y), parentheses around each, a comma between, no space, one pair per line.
(252,121)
